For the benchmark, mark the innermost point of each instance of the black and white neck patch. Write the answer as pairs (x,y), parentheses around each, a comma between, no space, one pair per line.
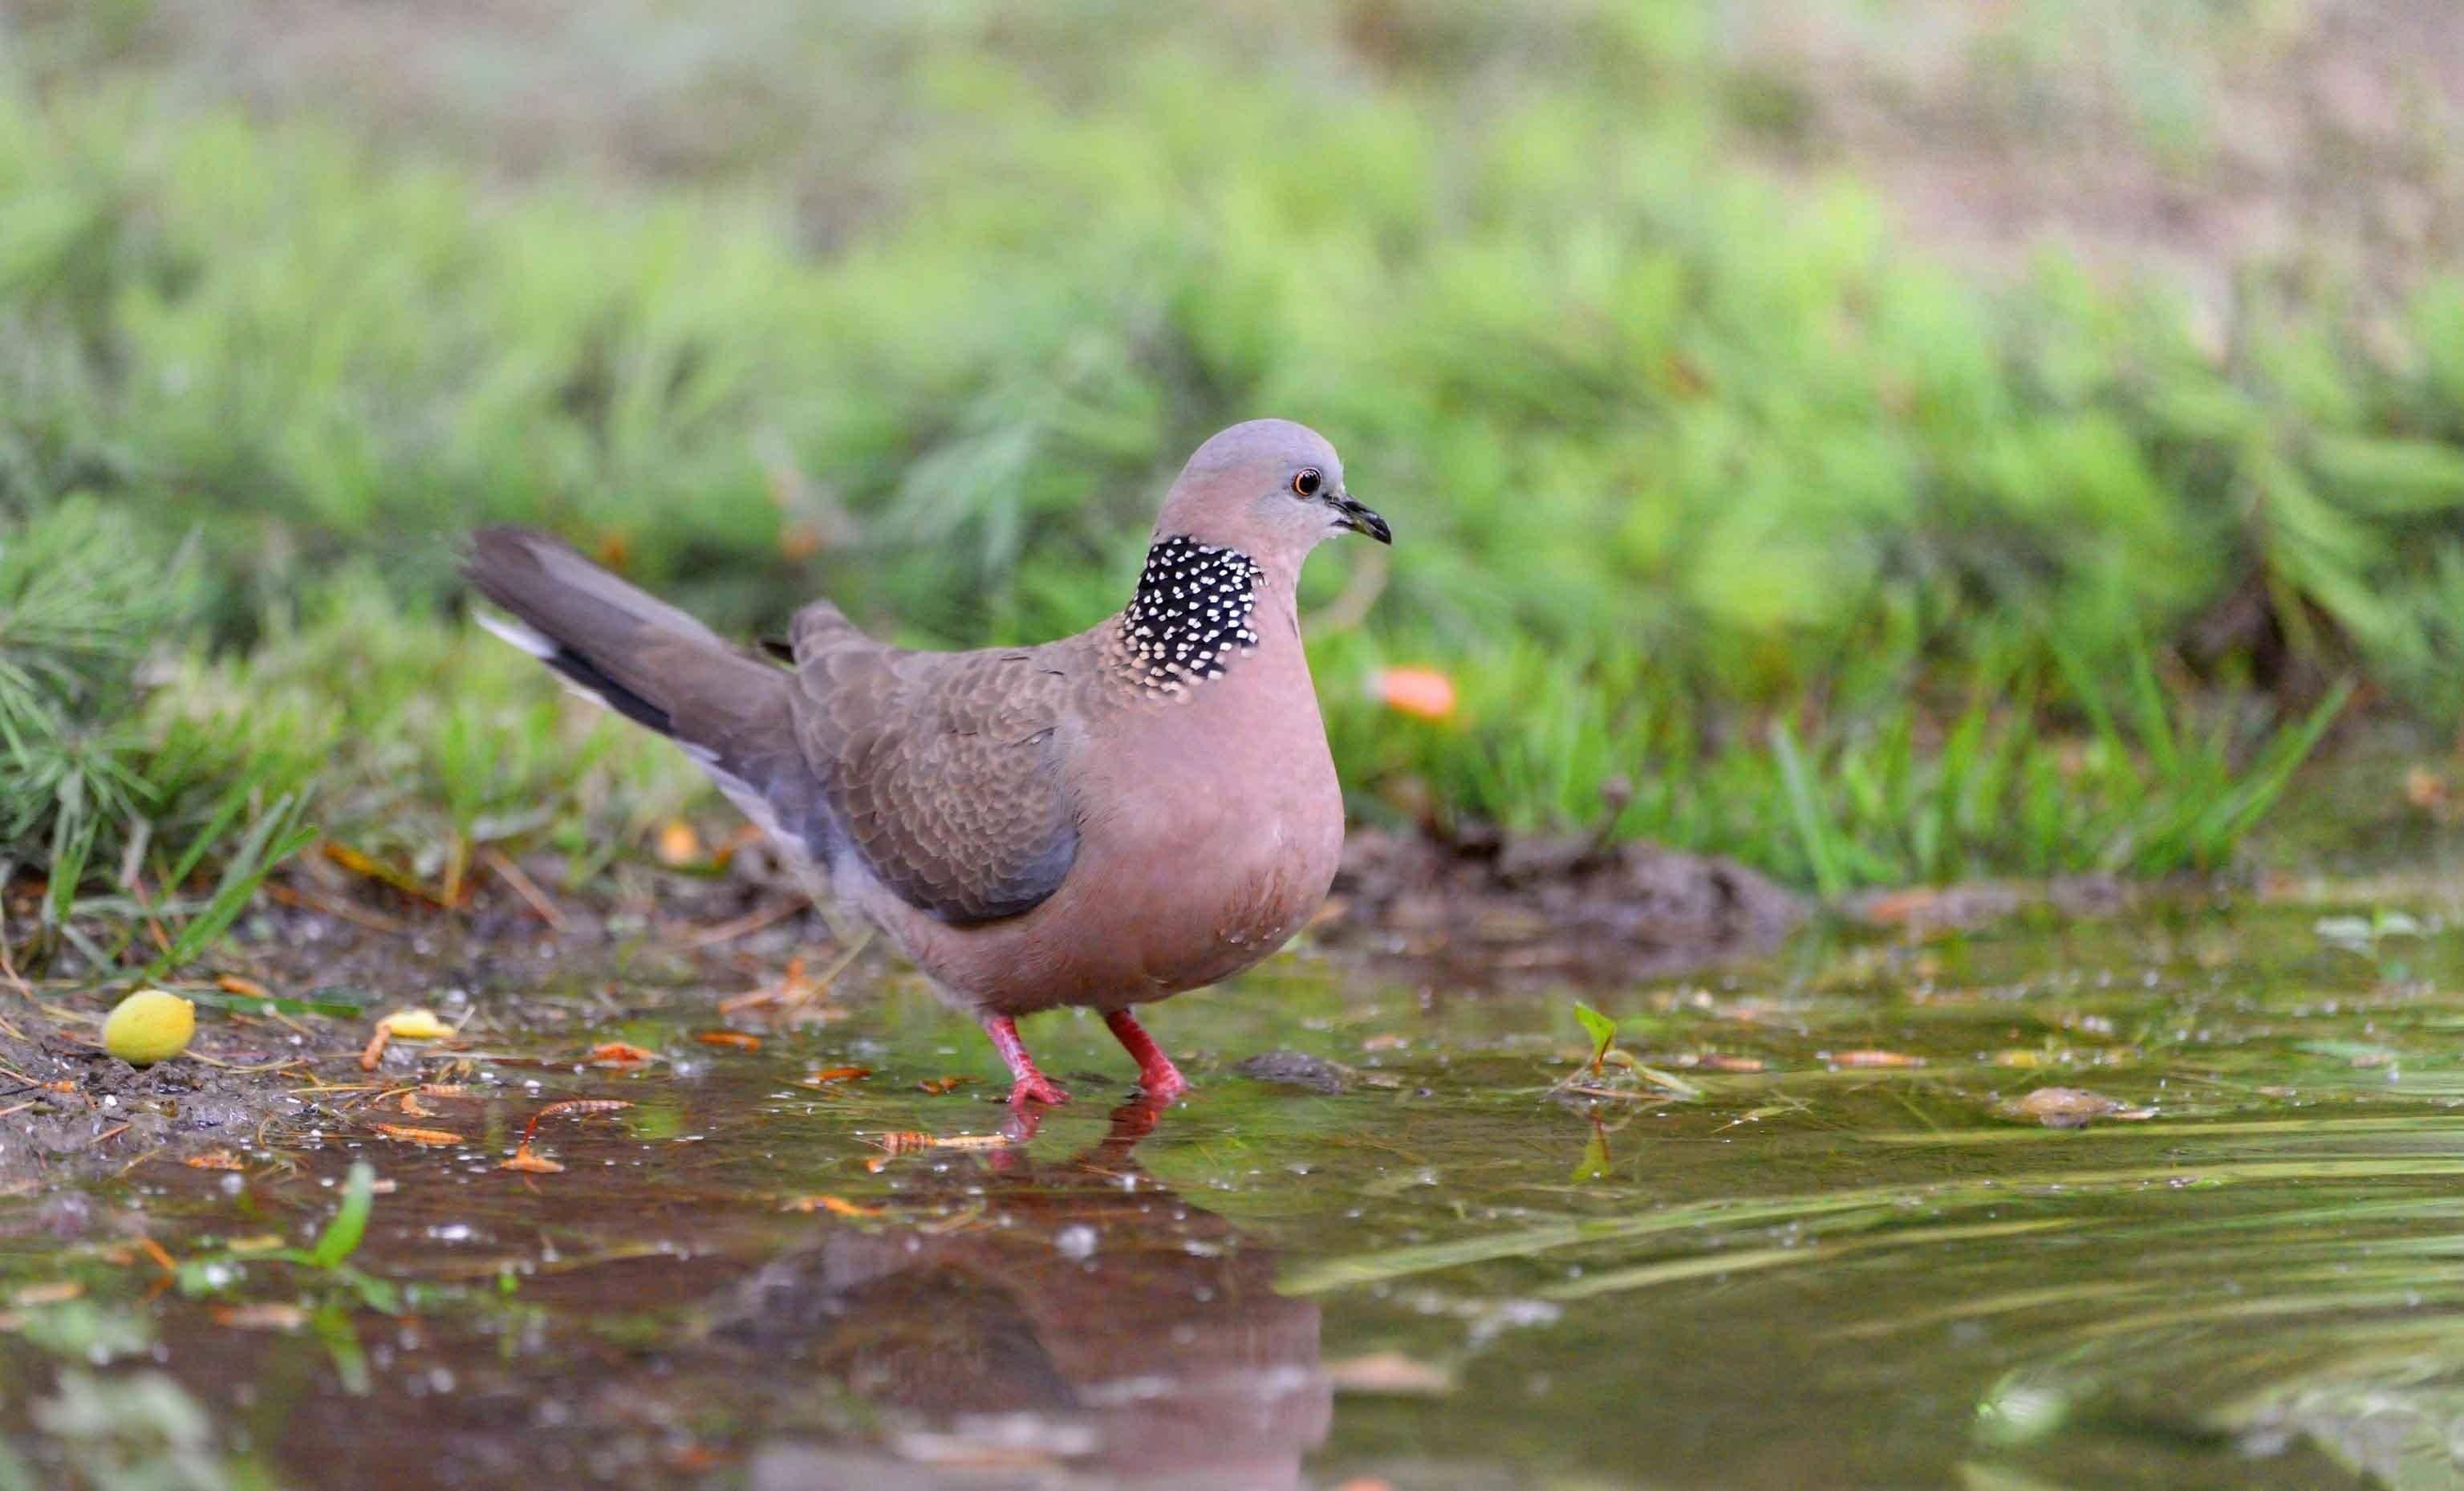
(1192,612)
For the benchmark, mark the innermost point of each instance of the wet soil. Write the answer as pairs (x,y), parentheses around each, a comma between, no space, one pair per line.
(1496,904)
(1484,907)
(73,1110)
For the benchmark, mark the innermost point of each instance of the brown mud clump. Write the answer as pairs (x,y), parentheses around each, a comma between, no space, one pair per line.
(1554,903)
(72,1111)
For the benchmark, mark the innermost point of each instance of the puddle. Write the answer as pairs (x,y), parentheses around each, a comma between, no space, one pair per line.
(1846,1258)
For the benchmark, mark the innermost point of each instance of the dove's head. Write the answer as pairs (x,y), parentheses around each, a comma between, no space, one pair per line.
(1269,488)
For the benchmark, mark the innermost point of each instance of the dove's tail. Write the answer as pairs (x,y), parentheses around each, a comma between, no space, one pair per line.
(635,653)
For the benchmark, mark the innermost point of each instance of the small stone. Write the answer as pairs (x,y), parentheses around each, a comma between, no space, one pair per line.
(2070,1108)
(1296,1070)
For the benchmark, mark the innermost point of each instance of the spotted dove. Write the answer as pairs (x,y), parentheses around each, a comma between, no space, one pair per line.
(1141,810)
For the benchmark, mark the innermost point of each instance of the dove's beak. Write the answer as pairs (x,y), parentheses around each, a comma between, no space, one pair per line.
(1360,519)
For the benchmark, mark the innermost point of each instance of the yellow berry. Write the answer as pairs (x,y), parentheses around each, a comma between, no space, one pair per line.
(150,1026)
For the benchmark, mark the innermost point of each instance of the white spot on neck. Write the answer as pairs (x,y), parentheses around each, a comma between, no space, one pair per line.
(1191,613)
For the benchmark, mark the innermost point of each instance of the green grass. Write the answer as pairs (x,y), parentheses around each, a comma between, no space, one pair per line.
(434,739)
(1742,521)
(97,800)
(1893,788)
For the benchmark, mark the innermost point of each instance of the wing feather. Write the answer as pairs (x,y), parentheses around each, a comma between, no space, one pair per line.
(940,769)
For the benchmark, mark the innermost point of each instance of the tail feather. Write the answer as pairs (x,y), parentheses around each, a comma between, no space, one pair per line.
(584,676)
(649,662)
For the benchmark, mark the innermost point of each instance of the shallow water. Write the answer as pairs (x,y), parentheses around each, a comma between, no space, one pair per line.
(1851,1267)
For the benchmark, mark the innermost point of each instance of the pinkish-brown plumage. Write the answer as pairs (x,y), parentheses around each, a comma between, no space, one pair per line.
(1138,810)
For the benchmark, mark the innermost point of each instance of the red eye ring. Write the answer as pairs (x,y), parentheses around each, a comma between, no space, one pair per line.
(1306,481)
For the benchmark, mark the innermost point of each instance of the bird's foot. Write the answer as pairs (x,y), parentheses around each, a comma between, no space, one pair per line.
(1158,1078)
(1031,1086)
(1162,1084)
(1036,1088)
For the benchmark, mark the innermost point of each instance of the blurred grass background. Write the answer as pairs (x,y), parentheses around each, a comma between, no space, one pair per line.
(1885,440)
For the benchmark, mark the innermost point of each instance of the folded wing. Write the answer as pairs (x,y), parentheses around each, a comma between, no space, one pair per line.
(941,769)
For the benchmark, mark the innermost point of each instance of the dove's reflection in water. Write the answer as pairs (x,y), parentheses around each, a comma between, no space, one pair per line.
(1085,1328)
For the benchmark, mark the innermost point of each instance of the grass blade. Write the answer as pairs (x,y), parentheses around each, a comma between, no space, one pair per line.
(1812,831)
(341,1235)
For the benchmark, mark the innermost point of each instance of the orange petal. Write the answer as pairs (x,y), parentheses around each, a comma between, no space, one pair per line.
(260,1317)
(678,843)
(799,541)
(524,1161)
(836,1205)
(581,1105)
(1421,692)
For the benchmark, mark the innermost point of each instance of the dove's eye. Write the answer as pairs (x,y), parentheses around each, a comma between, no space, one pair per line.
(1306,481)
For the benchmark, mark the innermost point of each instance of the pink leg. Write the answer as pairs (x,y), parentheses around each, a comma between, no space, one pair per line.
(1161,1081)
(1031,1086)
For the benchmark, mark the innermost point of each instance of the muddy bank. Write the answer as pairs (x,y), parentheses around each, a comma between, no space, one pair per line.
(533,971)
(71,1107)
(336,950)
(1506,904)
